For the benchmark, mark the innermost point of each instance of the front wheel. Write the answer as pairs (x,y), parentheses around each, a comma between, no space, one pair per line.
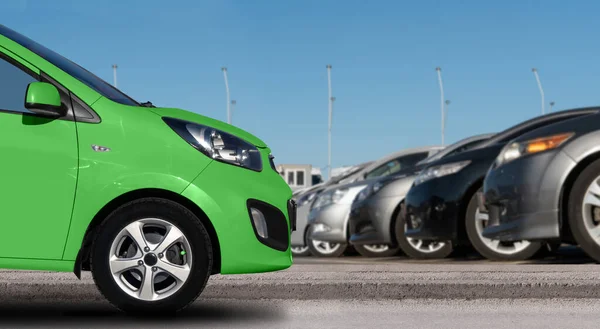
(376,250)
(584,210)
(323,248)
(418,248)
(300,251)
(496,250)
(151,256)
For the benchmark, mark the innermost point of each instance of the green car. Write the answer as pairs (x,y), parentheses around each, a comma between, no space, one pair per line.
(151,200)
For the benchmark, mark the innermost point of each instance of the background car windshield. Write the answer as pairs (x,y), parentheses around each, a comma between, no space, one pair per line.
(396,165)
(452,150)
(81,74)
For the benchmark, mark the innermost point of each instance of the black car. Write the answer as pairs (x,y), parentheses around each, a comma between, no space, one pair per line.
(442,205)
(545,185)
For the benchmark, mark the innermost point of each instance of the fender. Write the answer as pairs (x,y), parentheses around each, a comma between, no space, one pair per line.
(89,204)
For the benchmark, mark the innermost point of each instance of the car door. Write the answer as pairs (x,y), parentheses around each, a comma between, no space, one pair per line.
(38,171)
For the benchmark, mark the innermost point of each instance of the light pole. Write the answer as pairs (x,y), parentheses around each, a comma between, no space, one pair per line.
(233,102)
(331,100)
(115,75)
(224,69)
(447,102)
(537,77)
(551,105)
(439,72)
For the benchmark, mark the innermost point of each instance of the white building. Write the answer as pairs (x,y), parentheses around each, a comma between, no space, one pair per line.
(300,176)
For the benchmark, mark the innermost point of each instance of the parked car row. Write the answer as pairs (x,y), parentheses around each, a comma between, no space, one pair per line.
(507,195)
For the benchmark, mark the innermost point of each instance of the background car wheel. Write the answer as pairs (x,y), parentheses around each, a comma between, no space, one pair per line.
(151,256)
(300,251)
(584,210)
(496,250)
(379,250)
(420,249)
(324,249)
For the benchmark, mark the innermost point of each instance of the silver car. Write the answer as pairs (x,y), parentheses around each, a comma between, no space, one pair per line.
(305,198)
(376,208)
(327,229)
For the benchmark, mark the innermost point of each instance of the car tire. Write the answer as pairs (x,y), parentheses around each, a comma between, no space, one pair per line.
(324,249)
(409,246)
(577,220)
(490,249)
(373,252)
(300,251)
(188,243)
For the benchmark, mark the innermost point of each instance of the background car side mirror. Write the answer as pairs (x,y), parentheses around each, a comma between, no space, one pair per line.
(43,98)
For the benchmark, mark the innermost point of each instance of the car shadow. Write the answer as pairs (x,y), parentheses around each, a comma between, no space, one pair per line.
(99,314)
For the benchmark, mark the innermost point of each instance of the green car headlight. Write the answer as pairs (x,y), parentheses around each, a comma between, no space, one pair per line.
(217,144)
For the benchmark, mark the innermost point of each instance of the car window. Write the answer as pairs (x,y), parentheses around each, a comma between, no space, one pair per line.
(76,71)
(13,86)
(397,164)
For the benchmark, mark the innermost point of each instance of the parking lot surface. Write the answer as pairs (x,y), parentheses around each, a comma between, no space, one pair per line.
(338,293)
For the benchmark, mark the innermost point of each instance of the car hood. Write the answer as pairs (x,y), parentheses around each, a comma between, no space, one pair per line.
(204,120)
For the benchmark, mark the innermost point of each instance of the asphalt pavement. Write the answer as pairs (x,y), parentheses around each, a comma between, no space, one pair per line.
(556,291)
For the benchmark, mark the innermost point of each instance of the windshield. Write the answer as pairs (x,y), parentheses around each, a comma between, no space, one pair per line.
(76,71)
(349,173)
(455,148)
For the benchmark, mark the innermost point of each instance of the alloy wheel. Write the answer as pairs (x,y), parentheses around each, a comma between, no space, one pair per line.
(299,250)
(150,259)
(424,246)
(376,248)
(591,210)
(324,247)
(506,248)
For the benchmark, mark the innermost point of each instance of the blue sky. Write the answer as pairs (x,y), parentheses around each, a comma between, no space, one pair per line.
(383,53)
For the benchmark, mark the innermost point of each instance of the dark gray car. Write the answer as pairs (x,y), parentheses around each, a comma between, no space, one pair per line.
(326,231)
(545,185)
(375,208)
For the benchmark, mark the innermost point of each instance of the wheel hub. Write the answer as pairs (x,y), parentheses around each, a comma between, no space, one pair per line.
(150,259)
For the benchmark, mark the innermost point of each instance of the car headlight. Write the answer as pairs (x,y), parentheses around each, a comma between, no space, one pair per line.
(516,150)
(368,191)
(440,171)
(304,199)
(327,198)
(217,144)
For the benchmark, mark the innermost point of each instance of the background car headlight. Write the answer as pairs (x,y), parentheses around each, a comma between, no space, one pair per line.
(304,199)
(368,191)
(217,144)
(327,198)
(440,171)
(516,150)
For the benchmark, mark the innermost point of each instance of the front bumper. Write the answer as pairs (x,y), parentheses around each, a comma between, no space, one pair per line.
(329,223)
(522,197)
(370,220)
(224,193)
(432,209)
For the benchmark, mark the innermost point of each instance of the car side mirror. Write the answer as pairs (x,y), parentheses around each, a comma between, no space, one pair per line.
(43,98)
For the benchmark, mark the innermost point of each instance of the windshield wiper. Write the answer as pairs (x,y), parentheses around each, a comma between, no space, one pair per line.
(147,104)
